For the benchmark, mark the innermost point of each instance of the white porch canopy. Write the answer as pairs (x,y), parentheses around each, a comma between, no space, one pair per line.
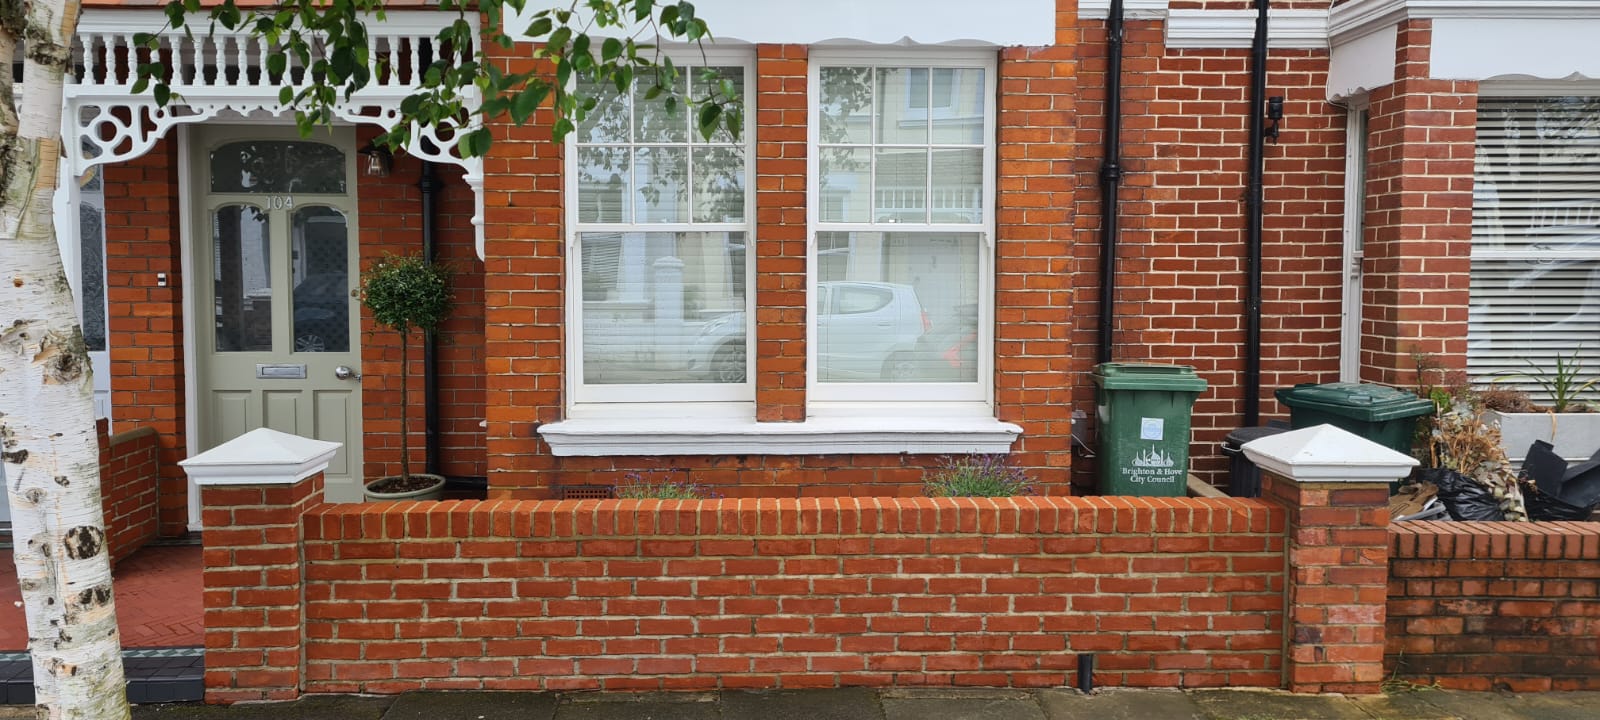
(226,71)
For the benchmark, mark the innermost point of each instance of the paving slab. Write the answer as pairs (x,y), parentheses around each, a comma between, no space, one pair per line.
(1407,705)
(839,704)
(1275,705)
(1476,705)
(1562,705)
(313,707)
(1118,704)
(959,704)
(473,706)
(630,706)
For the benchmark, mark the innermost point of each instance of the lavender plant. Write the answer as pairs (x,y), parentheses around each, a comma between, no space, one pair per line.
(977,476)
(638,486)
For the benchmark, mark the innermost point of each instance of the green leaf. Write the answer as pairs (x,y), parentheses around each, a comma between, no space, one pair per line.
(709,114)
(642,10)
(163,94)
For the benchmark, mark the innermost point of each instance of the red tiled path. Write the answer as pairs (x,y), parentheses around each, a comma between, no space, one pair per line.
(158,597)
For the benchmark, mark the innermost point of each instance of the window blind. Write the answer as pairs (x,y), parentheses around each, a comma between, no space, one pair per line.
(1535,279)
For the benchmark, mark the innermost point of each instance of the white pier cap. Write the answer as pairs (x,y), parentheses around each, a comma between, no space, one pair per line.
(1327,454)
(261,457)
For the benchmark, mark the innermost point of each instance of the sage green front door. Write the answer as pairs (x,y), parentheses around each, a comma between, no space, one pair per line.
(277,329)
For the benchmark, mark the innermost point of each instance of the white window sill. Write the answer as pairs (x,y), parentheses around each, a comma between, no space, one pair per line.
(816,436)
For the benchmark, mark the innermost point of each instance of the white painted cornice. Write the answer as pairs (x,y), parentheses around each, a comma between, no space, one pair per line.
(1131,9)
(1359,17)
(1237,28)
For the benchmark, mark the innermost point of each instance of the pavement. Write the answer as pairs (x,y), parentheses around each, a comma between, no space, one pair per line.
(899,704)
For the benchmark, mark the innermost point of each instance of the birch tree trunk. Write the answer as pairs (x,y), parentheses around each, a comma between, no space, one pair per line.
(47,430)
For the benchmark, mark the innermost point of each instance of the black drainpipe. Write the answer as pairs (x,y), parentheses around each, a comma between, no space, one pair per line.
(1110,179)
(1252,309)
(429,184)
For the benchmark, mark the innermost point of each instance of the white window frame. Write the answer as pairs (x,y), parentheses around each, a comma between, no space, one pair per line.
(1524,89)
(847,399)
(667,399)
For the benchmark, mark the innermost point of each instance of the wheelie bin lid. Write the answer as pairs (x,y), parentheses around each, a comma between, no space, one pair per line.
(1234,444)
(1358,401)
(1147,376)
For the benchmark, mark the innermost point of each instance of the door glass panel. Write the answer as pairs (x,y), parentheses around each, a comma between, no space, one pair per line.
(320,261)
(92,267)
(241,266)
(277,166)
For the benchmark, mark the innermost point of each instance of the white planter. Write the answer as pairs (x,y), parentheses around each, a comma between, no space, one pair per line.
(432,492)
(1576,436)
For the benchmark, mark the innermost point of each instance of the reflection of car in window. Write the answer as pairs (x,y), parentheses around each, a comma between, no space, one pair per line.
(322,313)
(865,331)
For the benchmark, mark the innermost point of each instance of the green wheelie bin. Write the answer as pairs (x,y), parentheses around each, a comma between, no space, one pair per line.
(1378,413)
(1144,414)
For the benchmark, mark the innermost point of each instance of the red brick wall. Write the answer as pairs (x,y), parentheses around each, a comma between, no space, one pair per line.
(1495,606)
(1419,216)
(526,279)
(391,224)
(129,475)
(144,321)
(1182,252)
(796,593)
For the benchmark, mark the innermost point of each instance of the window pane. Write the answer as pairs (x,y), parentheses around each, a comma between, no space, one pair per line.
(700,87)
(958,106)
(663,307)
(92,260)
(277,166)
(662,196)
(719,184)
(610,119)
(844,183)
(321,285)
(242,291)
(846,104)
(652,121)
(900,120)
(603,180)
(902,185)
(957,186)
(897,307)
(1532,310)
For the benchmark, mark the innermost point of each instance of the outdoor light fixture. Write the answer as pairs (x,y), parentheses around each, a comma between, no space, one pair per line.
(1275,114)
(377,161)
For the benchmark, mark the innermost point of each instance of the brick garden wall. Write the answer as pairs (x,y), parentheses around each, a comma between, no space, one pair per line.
(130,472)
(1495,606)
(796,593)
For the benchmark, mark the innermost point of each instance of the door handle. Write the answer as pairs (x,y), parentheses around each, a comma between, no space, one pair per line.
(343,372)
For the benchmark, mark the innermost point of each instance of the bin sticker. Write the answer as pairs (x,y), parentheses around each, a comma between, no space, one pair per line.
(1152,466)
(1152,428)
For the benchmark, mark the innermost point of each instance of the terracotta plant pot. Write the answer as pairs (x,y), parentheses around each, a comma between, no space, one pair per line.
(422,487)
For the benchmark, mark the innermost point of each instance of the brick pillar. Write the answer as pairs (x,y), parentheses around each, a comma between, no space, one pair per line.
(780,167)
(1335,486)
(253,492)
(1422,140)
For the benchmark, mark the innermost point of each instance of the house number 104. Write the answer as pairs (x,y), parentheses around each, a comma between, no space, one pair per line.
(280,202)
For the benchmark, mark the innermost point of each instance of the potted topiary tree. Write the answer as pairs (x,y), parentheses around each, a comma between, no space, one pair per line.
(406,294)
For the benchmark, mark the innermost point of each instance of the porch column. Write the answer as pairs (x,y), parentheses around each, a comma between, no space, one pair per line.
(254,490)
(1335,486)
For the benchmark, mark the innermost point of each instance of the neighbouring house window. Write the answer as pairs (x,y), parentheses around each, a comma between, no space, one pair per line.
(1535,281)
(901,289)
(661,262)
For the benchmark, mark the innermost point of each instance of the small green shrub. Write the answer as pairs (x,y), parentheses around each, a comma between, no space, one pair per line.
(635,486)
(977,476)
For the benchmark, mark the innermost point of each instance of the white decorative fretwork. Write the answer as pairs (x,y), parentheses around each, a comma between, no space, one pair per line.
(217,72)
